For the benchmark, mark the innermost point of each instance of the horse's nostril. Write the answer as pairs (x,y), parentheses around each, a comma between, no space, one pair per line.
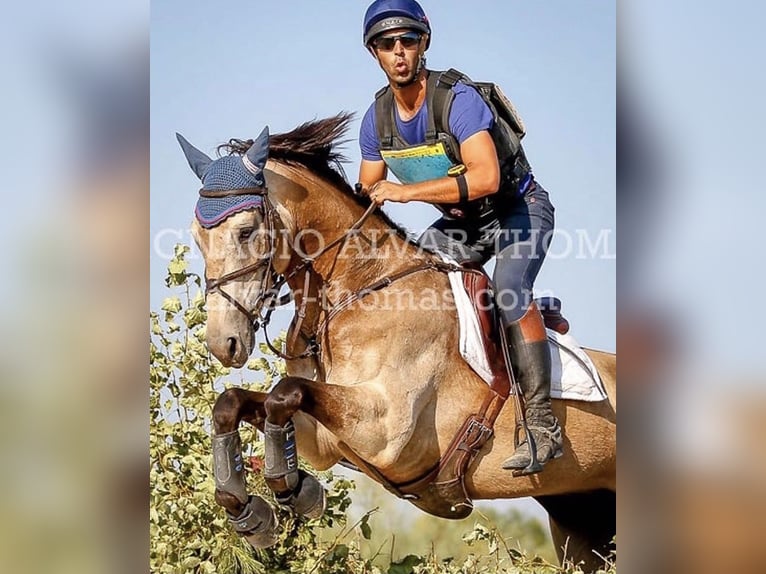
(232,346)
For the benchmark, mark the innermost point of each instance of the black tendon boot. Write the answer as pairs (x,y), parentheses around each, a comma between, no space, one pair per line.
(531,360)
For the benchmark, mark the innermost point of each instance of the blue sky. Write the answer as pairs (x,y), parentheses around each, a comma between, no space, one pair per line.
(227,69)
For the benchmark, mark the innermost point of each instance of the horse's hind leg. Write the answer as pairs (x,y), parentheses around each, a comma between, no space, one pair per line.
(251,516)
(582,526)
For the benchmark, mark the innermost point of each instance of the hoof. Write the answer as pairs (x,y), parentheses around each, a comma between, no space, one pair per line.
(310,500)
(257,523)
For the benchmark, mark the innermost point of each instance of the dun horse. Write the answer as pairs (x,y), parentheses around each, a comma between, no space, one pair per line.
(375,376)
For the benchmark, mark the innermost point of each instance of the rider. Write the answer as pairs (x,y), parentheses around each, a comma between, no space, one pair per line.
(481,218)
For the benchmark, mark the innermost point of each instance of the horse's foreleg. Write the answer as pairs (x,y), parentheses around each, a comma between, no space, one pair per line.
(235,405)
(290,485)
(251,515)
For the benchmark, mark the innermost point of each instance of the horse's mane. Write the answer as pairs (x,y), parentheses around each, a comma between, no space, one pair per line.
(315,146)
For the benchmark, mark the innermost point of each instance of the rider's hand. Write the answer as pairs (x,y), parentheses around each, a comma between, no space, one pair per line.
(385,190)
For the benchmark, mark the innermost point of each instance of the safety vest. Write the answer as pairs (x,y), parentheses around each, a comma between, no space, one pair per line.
(441,151)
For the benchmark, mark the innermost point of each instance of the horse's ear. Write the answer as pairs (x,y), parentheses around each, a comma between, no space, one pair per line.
(198,161)
(258,152)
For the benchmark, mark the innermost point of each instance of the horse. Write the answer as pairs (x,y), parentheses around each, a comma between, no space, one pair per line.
(374,377)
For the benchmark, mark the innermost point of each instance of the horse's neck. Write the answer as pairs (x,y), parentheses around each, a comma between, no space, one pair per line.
(324,214)
(363,258)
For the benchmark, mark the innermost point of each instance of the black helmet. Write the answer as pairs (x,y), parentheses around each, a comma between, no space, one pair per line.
(385,15)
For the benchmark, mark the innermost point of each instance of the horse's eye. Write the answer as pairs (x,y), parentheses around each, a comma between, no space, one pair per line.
(245,234)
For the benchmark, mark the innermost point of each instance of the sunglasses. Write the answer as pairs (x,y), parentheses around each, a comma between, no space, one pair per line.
(409,41)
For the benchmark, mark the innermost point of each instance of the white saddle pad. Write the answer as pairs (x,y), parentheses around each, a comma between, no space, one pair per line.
(574,376)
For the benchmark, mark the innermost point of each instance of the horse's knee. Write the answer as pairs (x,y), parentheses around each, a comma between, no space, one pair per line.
(284,400)
(226,411)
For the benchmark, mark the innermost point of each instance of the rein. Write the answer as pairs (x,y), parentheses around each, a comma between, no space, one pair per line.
(313,342)
(268,295)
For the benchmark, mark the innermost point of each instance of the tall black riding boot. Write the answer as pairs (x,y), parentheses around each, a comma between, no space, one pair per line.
(531,361)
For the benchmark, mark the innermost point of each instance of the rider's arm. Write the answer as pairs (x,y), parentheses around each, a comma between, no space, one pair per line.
(470,120)
(372,169)
(371,172)
(482,177)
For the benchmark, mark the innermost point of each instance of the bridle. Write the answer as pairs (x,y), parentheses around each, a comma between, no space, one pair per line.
(213,285)
(268,296)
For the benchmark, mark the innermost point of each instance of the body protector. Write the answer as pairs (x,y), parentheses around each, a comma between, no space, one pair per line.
(441,151)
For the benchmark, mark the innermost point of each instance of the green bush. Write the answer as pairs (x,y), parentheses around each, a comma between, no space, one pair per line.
(189,531)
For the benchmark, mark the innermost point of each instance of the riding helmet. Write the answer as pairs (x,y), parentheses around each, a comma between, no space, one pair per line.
(383,15)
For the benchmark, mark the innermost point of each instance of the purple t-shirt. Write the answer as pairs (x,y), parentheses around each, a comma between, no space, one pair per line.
(468,115)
